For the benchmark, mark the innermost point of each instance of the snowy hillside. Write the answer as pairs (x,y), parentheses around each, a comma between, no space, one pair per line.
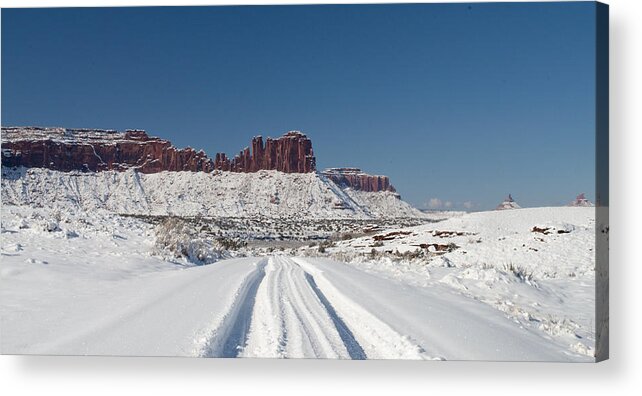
(269,194)
(536,265)
(383,203)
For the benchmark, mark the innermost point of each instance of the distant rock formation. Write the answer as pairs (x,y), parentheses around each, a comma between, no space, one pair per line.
(291,153)
(581,200)
(94,150)
(356,179)
(508,203)
(65,149)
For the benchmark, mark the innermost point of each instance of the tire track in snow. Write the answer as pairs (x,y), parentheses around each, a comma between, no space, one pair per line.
(283,310)
(377,339)
(313,323)
(289,320)
(268,336)
(230,335)
(351,344)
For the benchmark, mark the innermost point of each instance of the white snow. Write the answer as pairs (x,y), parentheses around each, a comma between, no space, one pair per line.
(270,194)
(81,276)
(543,281)
(93,285)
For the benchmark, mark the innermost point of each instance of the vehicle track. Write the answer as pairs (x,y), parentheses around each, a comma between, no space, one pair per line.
(284,313)
(230,335)
(352,345)
(289,319)
(306,308)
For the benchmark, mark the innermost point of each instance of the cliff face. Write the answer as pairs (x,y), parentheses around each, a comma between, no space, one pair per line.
(291,153)
(96,150)
(358,180)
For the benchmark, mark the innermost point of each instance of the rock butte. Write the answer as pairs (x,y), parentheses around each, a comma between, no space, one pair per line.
(94,150)
(508,203)
(356,179)
(581,200)
(291,153)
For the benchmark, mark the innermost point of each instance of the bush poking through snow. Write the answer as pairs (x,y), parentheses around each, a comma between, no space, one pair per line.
(324,245)
(231,244)
(22,223)
(520,272)
(51,225)
(178,238)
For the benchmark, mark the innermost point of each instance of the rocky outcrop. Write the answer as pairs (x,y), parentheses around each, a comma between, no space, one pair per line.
(508,203)
(356,179)
(291,153)
(581,200)
(94,150)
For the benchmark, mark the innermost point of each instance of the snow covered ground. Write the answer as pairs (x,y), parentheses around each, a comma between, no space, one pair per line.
(535,265)
(93,282)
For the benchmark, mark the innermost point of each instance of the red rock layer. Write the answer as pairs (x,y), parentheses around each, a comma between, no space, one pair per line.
(357,180)
(291,153)
(97,150)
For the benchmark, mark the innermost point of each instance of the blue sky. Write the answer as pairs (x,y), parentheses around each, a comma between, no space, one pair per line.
(459,103)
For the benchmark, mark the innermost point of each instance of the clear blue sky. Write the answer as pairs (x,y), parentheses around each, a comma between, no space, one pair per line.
(455,102)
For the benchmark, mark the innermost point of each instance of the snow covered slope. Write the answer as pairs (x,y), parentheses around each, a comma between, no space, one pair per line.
(536,265)
(383,203)
(220,194)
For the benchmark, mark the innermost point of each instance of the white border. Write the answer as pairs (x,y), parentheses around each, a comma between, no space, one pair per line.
(622,374)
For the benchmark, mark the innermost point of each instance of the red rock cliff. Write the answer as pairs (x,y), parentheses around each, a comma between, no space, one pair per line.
(291,153)
(358,180)
(95,150)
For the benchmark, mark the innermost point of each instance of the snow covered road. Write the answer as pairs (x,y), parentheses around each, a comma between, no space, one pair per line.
(275,306)
(164,313)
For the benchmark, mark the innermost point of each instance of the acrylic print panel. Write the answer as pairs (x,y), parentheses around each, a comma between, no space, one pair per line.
(487,238)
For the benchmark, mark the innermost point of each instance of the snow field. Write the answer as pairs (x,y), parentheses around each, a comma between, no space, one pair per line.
(542,281)
(63,296)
